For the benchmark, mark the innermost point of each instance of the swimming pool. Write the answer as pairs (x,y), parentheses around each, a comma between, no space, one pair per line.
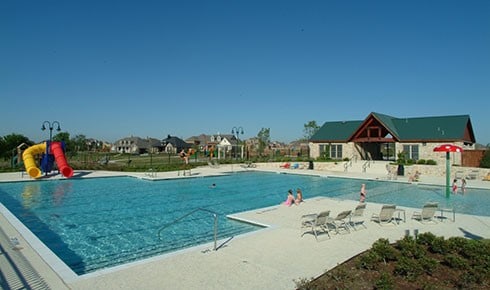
(102,222)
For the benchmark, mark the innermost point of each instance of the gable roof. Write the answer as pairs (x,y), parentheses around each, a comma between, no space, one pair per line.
(444,128)
(376,127)
(338,131)
(176,142)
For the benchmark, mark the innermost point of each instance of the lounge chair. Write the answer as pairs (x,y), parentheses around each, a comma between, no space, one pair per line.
(357,216)
(315,222)
(286,165)
(340,221)
(295,166)
(385,215)
(427,213)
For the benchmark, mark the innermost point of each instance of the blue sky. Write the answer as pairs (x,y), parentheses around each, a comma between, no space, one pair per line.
(111,69)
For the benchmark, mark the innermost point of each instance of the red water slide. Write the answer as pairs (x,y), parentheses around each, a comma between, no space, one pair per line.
(59,157)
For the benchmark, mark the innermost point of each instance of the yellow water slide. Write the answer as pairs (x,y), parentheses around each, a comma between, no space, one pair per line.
(29,159)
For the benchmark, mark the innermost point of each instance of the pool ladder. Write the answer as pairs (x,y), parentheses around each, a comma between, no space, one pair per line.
(215,216)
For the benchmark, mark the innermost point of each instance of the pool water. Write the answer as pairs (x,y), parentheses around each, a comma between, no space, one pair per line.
(102,222)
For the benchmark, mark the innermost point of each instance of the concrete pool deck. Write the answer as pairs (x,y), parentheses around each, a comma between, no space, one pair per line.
(271,258)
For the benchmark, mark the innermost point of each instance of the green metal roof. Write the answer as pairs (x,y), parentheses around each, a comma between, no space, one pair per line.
(441,128)
(432,128)
(336,131)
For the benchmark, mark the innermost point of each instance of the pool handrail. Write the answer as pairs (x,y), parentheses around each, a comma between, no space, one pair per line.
(215,215)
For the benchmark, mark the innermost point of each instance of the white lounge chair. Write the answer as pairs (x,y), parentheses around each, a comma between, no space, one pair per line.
(427,213)
(385,215)
(315,222)
(357,216)
(340,221)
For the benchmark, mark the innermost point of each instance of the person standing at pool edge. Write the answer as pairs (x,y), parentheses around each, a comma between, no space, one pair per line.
(362,193)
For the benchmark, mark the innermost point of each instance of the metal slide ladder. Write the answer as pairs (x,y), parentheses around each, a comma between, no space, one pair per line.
(215,216)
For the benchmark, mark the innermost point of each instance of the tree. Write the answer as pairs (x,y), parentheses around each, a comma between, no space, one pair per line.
(9,143)
(264,139)
(310,129)
(65,137)
(80,142)
(485,162)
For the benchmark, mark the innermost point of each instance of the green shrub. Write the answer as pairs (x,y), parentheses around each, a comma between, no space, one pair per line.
(421,161)
(408,268)
(425,238)
(385,282)
(339,274)
(429,265)
(471,277)
(455,262)
(383,248)
(431,162)
(455,244)
(439,246)
(408,247)
(369,261)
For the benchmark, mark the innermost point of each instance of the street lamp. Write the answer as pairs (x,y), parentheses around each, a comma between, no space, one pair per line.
(51,127)
(236,131)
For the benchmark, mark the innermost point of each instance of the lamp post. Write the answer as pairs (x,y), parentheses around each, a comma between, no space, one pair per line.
(50,126)
(236,131)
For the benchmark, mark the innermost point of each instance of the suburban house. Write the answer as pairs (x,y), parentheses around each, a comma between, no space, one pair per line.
(173,144)
(132,145)
(218,145)
(137,145)
(383,137)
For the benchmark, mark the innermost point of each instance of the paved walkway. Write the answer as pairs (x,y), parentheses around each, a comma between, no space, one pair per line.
(271,258)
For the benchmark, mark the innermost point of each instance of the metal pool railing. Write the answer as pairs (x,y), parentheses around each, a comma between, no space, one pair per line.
(215,215)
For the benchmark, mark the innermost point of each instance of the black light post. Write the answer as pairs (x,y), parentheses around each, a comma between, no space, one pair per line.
(50,127)
(150,150)
(236,131)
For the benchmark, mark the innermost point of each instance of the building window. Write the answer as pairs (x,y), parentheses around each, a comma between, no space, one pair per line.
(336,151)
(331,151)
(411,152)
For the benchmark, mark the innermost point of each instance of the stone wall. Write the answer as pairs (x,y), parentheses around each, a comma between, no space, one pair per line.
(426,151)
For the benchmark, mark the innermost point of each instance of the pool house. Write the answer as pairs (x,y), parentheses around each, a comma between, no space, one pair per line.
(384,137)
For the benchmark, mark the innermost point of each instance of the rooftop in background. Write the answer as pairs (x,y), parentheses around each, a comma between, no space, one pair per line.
(428,129)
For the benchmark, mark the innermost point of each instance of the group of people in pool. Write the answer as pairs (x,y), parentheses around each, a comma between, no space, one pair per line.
(290,200)
(455,186)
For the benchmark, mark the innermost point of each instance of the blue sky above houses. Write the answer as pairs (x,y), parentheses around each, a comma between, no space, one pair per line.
(111,69)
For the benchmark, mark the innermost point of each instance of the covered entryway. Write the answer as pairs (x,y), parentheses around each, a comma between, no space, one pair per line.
(376,150)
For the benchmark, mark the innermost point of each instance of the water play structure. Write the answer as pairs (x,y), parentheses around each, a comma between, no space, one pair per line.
(50,152)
